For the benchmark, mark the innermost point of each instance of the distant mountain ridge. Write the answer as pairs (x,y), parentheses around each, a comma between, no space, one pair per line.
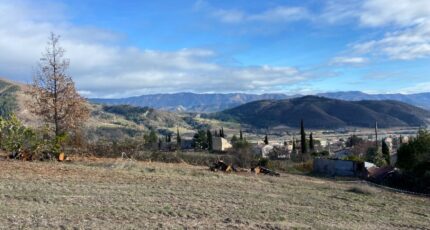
(418,99)
(320,112)
(192,102)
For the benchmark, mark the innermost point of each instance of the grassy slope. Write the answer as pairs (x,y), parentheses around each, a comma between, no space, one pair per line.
(113,194)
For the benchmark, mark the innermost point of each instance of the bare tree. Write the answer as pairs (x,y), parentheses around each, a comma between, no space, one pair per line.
(55,98)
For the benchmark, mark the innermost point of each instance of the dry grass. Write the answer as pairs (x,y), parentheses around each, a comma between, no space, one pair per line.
(122,194)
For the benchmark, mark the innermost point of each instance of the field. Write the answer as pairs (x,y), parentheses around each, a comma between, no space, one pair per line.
(123,194)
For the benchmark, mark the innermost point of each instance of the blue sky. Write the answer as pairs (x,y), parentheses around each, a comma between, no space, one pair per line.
(126,48)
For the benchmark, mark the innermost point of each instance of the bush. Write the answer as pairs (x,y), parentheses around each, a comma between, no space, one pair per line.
(353,158)
(305,167)
(320,154)
(263,162)
(415,155)
(15,138)
(375,156)
(364,190)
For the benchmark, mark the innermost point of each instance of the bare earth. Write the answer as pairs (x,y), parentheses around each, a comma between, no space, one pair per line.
(123,194)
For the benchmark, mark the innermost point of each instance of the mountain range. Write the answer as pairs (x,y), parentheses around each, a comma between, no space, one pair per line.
(189,102)
(255,110)
(320,112)
(192,102)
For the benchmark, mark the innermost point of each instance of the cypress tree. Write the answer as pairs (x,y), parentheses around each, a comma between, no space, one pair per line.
(294,144)
(209,136)
(266,140)
(385,152)
(311,142)
(376,135)
(240,135)
(178,138)
(302,137)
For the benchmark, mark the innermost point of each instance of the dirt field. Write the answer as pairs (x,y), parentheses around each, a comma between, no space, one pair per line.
(122,194)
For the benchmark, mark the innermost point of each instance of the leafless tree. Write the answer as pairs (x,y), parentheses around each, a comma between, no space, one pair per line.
(55,98)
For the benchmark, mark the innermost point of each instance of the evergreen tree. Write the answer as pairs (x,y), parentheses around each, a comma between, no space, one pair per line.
(294,144)
(311,142)
(385,151)
(221,132)
(200,140)
(209,136)
(376,135)
(152,139)
(240,135)
(178,138)
(234,139)
(266,140)
(302,137)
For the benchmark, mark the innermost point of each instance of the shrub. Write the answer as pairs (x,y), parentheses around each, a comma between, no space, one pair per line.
(324,153)
(415,155)
(353,158)
(365,190)
(15,138)
(263,162)
(305,167)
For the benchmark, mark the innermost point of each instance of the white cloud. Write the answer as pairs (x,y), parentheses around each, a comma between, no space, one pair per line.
(272,15)
(105,70)
(340,11)
(407,23)
(348,61)
(399,12)
(407,44)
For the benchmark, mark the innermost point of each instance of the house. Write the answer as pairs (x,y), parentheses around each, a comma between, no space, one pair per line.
(186,144)
(266,150)
(331,167)
(278,151)
(342,153)
(220,144)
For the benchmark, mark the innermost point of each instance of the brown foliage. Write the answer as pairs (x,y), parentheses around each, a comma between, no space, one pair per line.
(55,97)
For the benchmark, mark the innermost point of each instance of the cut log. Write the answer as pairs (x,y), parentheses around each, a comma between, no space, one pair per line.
(61,157)
(260,169)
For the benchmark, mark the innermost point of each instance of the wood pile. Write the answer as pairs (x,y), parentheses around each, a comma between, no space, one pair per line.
(260,169)
(221,166)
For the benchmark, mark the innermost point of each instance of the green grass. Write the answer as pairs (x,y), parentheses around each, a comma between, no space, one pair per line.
(124,194)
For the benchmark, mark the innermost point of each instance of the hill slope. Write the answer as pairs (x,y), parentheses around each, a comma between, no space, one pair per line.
(104,120)
(8,102)
(319,112)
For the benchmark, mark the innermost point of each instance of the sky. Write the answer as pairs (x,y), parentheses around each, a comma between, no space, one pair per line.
(128,48)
